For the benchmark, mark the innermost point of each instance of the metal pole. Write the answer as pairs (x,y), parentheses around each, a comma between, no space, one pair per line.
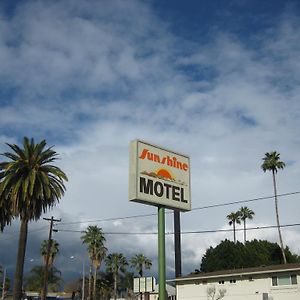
(177,243)
(161,253)
(3,285)
(83,280)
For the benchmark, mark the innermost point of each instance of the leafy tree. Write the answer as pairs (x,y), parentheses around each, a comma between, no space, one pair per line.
(5,281)
(213,294)
(34,281)
(115,263)
(246,213)
(32,185)
(234,218)
(54,249)
(94,238)
(229,255)
(139,261)
(126,285)
(104,284)
(271,162)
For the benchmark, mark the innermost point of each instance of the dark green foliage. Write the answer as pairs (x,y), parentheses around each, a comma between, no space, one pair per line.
(139,262)
(34,281)
(228,255)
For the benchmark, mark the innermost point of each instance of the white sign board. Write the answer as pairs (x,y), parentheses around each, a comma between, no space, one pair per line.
(143,284)
(159,176)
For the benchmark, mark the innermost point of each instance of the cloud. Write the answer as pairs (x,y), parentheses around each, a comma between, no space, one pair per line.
(89,78)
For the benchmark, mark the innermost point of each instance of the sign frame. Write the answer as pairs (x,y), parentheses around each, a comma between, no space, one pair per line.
(159,176)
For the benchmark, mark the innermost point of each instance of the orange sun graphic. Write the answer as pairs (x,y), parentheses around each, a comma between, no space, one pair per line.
(164,173)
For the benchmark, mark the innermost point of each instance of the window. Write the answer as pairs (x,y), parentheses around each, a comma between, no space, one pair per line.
(294,279)
(232,281)
(284,280)
(221,282)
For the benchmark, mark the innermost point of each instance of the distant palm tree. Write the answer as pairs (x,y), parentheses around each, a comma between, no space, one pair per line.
(54,249)
(271,162)
(32,185)
(115,263)
(139,261)
(246,213)
(94,238)
(99,256)
(234,218)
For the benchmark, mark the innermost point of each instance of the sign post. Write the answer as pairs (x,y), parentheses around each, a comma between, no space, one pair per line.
(161,254)
(159,177)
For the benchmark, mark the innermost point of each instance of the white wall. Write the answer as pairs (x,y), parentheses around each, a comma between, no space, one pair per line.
(243,289)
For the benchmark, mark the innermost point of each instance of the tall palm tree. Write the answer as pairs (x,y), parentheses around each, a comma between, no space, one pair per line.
(246,213)
(54,249)
(234,218)
(271,162)
(94,238)
(32,185)
(99,256)
(115,263)
(139,261)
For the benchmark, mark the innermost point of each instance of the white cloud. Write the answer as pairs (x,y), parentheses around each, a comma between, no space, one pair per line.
(89,78)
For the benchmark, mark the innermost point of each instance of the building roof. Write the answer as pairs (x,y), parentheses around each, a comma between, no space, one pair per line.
(242,272)
(171,290)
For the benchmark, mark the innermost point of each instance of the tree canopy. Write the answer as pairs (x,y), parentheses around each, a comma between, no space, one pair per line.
(34,280)
(139,262)
(229,255)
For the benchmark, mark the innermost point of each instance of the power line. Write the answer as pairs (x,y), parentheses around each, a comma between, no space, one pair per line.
(154,214)
(194,209)
(245,201)
(12,235)
(188,232)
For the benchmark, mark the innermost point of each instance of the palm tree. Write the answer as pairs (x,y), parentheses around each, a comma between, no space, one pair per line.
(246,213)
(271,162)
(94,238)
(54,249)
(139,261)
(99,255)
(115,263)
(32,185)
(234,218)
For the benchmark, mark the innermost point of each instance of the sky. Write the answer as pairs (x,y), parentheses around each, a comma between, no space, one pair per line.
(216,80)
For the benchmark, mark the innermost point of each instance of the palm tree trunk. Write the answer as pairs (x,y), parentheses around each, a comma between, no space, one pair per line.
(141,270)
(244,231)
(90,283)
(95,282)
(18,280)
(115,286)
(277,218)
(234,238)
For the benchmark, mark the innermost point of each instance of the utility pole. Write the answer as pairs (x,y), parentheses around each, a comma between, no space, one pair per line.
(45,285)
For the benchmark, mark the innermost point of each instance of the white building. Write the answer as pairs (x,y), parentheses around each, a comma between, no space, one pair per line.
(277,282)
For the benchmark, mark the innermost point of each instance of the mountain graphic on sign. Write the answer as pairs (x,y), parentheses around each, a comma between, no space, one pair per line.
(163,174)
